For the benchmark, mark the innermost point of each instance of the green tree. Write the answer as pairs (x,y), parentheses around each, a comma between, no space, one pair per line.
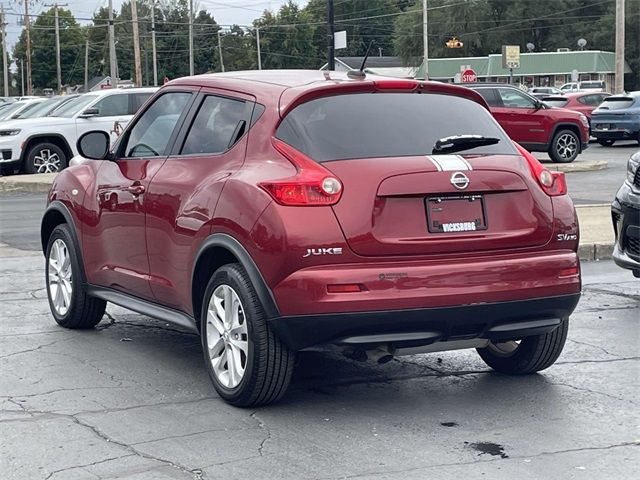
(43,47)
(286,38)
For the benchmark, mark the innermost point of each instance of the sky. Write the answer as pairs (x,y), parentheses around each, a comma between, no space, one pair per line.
(225,12)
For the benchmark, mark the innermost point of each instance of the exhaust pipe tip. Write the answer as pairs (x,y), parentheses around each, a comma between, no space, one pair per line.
(381,355)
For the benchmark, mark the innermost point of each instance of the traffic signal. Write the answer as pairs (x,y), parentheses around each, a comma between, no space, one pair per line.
(454,43)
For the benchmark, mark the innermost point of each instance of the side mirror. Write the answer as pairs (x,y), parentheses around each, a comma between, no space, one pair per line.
(539,105)
(90,112)
(94,145)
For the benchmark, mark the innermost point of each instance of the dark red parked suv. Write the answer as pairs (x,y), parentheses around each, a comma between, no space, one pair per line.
(279,211)
(538,127)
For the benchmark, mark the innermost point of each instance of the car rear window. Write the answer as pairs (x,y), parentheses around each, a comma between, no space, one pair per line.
(387,125)
(616,103)
(556,102)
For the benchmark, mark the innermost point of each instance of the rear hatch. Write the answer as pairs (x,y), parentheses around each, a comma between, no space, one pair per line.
(399,198)
(612,109)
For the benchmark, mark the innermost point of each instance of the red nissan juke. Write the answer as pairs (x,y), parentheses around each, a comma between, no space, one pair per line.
(276,211)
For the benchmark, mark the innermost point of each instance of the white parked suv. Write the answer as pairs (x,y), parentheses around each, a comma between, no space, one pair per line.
(46,144)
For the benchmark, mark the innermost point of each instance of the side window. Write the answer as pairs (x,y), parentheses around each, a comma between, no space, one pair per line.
(218,124)
(150,135)
(491,96)
(112,105)
(515,99)
(137,100)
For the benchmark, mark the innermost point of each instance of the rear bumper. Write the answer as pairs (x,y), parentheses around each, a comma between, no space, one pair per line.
(406,285)
(406,328)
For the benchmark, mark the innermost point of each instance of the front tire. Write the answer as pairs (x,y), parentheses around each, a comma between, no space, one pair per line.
(70,304)
(565,147)
(45,158)
(531,355)
(248,365)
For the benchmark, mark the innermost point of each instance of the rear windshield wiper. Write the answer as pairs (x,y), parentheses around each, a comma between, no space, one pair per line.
(457,143)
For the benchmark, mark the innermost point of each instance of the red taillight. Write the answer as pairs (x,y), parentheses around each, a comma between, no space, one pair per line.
(569,272)
(313,185)
(396,84)
(553,183)
(345,288)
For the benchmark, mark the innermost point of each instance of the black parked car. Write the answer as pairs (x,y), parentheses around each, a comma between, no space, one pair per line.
(625,212)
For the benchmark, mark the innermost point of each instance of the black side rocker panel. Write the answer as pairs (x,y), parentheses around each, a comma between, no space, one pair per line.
(144,307)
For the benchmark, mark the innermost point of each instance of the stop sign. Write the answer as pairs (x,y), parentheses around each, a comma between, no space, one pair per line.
(469,76)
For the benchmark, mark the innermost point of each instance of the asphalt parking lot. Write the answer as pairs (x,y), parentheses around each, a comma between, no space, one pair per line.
(131,399)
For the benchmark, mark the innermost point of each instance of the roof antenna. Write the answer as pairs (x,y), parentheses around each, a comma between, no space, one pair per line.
(360,73)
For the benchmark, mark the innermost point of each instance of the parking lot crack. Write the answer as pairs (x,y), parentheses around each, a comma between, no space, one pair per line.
(55,472)
(263,426)
(196,473)
(387,473)
(595,392)
(594,346)
(39,347)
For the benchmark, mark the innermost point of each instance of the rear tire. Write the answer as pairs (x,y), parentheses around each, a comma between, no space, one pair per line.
(565,147)
(248,365)
(45,158)
(531,355)
(606,143)
(70,305)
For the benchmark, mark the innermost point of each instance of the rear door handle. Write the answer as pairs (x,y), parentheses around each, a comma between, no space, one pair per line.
(135,189)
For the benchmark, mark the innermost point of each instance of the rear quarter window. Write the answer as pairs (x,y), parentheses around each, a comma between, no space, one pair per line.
(387,125)
(617,103)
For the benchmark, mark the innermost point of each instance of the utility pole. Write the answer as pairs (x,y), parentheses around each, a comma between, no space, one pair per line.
(27,26)
(5,68)
(86,65)
(425,40)
(220,51)
(330,36)
(136,44)
(258,44)
(57,24)
(153,43)
(191,69)
(112,49)
(619,88)
(22,77)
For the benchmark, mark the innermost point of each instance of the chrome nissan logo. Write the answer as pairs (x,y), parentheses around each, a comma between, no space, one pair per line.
(459,180)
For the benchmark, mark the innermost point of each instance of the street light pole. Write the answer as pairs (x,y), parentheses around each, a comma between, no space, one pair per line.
(619,87)
(27,26)
(220,51)
(136,44)
(153,43)
(5,65)
(112,49)
(191,69)
(425,41)
(330,36)
(258,44)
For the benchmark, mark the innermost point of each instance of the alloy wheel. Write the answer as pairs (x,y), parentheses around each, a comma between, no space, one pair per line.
(227,336)
(566,145)
(60,277)
(46,161)
(503,349)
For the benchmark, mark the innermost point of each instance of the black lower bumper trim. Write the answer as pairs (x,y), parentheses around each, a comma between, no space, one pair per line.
(503,320)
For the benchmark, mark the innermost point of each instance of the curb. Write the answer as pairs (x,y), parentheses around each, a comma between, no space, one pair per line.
(37,183)
(574,167)
(595,251)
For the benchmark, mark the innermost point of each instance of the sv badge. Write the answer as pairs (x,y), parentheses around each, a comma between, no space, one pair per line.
(323,251)
(566,237)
